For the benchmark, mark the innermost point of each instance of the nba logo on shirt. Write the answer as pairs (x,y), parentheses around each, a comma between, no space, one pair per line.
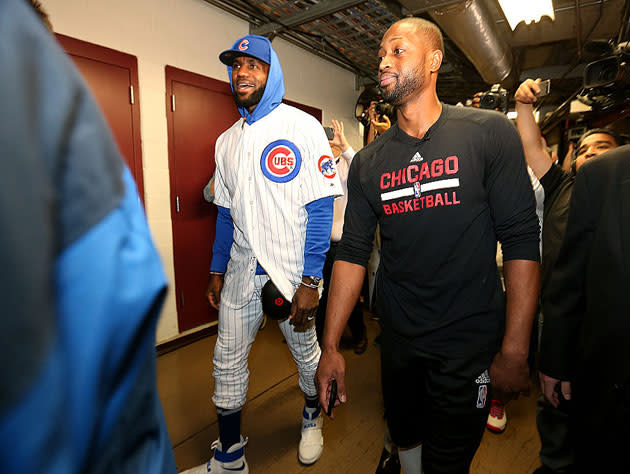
(416,189)
(326,167)
(243,45)
(481,396)
(281,161)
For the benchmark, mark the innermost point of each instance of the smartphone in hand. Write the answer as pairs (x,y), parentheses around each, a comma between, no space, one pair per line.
(545,88)
(333,397)
(330,133)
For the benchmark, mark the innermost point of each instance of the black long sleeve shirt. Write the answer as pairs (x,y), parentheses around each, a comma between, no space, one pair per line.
(442,202)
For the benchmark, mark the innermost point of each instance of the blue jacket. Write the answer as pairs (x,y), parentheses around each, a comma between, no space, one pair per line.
(81,285)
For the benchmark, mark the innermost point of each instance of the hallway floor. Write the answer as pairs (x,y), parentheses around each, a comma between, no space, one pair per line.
(271,418)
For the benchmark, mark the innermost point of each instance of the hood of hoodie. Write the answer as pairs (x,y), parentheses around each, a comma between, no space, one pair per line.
(274,90)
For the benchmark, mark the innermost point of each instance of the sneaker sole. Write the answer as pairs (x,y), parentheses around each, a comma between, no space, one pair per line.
(310,461)
(496,430)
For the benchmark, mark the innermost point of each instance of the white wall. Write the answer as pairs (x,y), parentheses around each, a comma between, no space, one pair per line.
(189,34)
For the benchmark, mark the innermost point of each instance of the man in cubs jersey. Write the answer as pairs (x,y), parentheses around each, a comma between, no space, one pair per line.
(275,182)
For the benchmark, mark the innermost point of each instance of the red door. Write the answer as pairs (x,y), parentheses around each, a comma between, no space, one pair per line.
(203,109)
(113,79)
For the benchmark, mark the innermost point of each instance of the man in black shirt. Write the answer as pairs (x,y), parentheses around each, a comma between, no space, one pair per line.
(556,452)
(584,347)
(443,184)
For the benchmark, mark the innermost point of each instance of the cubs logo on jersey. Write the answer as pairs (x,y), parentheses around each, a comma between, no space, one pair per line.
(327,167)
(281,161)
(243,45)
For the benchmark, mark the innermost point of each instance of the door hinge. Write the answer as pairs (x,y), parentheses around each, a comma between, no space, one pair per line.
(173,102)
(177,203)
(182,299)
(131,98)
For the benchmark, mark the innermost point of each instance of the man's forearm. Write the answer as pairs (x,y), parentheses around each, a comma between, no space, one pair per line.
(522,284)
(527,127)
(345,286)
(536,157)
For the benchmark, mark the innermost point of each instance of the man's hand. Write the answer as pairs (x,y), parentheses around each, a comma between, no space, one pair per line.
(382,127)
(213,292)
(509,375)
(528,91)
(331,366)
(476,100)
(304,307)
(339,139)
(372,115)
(548,387)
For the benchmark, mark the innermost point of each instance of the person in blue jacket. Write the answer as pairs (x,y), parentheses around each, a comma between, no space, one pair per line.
(81,283)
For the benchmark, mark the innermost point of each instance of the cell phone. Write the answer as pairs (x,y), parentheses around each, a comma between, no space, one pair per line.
(545,88)
(330,133)
(333,397)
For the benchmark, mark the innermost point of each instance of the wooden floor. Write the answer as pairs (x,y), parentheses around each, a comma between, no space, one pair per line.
(272,415)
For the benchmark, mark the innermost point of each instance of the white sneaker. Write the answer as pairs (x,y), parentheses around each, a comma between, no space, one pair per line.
(230,462)
(312,441)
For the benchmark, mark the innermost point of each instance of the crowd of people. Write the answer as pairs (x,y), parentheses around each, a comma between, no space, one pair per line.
(298,210)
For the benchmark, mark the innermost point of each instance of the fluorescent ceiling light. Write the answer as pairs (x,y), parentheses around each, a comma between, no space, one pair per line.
(528,11)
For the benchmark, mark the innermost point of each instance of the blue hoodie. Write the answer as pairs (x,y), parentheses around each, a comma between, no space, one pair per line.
(274,90)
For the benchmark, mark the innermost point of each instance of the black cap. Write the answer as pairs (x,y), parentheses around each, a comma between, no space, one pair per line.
(275,305)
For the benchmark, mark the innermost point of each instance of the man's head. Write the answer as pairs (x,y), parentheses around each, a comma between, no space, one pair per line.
(410,56)
(593,143)
(249,59)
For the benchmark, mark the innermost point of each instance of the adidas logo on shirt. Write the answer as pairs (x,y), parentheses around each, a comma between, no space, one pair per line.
(483,378)
(416,157)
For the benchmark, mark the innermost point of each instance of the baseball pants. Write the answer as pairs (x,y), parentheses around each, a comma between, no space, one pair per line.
(236,334)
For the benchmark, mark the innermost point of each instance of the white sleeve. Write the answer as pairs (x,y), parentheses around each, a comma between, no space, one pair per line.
(319,175)
(221,193)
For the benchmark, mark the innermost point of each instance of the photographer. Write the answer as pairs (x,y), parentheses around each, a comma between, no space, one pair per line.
(343,154)
(553,424)
(379,119)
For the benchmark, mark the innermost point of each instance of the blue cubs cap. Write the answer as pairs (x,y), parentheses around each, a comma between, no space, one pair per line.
(251,45)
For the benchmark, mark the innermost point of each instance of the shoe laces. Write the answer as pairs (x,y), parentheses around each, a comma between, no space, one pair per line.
(215,443)
(496,409)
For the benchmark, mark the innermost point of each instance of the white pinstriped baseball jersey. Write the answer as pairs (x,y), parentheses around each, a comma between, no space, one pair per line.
(265,174)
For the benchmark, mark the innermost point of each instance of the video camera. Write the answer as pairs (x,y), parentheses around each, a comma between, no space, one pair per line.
(606,82)
(495,99)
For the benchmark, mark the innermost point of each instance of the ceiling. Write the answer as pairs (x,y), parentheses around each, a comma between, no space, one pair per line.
(348,33)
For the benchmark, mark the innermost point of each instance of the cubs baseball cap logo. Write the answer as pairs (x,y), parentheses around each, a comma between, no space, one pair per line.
(327,167)
(281,161)
(253,46)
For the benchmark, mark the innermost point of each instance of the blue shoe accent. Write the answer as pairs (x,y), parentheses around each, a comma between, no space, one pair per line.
(228,457)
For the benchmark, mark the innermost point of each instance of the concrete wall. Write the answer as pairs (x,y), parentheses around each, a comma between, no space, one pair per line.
(189,34)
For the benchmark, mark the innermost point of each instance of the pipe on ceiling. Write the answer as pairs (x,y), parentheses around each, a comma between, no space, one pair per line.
(471,27)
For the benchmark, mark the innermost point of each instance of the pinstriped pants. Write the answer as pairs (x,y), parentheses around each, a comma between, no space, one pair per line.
(236,334)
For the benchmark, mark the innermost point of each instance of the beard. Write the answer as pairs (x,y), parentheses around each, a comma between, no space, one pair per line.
(409,81)
(252,99)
